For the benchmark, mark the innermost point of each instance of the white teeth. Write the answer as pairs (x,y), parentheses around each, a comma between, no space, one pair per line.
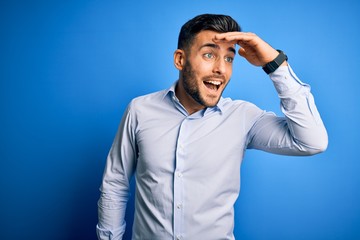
(214,82)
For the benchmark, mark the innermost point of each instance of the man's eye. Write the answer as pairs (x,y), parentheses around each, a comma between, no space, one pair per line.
(208,55)
(229,59)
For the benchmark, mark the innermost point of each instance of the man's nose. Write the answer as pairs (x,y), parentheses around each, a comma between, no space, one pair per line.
(219,66)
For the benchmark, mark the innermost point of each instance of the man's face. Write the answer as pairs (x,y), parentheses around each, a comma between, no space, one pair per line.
(207,69)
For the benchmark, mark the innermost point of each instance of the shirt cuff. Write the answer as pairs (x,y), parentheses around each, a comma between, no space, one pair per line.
(285,80)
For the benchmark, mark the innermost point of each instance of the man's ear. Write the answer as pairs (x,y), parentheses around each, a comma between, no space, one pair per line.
(179,59)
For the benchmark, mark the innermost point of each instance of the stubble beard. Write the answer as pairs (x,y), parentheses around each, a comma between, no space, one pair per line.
(191,88)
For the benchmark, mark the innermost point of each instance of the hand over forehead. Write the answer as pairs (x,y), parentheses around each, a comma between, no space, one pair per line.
(253,48)
(240,38)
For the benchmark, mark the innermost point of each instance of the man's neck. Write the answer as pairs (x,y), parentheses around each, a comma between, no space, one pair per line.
(186,100)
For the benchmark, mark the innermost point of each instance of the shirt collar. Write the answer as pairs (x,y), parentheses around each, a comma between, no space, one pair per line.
(171,93)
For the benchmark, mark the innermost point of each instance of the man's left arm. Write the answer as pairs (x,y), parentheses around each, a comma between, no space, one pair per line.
(302,131)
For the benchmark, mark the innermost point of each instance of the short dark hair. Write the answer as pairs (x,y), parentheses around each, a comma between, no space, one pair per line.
(214,22)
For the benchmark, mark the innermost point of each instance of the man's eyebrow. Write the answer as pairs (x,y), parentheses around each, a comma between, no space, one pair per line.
(213,45)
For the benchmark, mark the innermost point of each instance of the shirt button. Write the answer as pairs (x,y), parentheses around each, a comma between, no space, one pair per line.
(179,206)
(178,237)
(179,174)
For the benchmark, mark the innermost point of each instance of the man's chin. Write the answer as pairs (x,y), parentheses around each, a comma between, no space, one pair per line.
(211,103)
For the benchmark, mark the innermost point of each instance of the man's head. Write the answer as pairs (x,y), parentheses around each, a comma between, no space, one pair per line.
(213,22)
(205,65)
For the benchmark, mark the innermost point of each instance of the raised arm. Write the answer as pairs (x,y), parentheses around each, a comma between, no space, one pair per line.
(301,131)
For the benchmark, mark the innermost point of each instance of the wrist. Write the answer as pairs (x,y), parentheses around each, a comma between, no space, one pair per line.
(279,60)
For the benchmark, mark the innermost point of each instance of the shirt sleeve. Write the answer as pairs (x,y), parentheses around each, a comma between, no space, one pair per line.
(120,165)
(301,130)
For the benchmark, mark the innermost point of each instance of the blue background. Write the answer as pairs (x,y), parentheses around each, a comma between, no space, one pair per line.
(69,68)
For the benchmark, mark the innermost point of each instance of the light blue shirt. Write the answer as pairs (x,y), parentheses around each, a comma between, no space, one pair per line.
(187,167)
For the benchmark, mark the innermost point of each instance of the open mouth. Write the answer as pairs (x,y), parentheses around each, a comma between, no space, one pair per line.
(212,85)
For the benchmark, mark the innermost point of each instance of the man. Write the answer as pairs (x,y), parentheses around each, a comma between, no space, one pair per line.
(185,144)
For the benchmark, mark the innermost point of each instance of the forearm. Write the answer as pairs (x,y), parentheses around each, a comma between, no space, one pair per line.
(111,215)
(113,199)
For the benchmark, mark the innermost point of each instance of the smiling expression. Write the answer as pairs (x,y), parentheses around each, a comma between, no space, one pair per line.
(205,71)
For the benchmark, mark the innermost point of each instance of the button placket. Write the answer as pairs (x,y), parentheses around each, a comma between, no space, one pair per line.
(178,180)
